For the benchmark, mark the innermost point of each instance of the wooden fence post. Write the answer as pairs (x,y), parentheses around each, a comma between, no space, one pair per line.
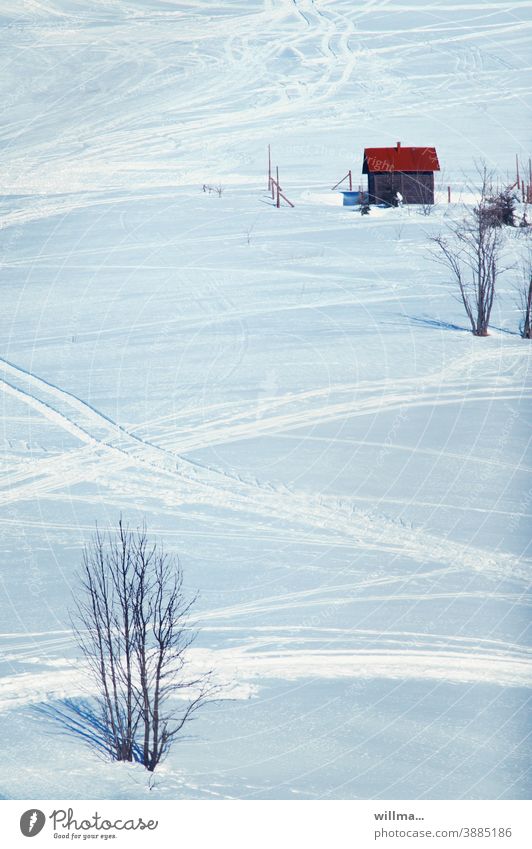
(348,176)
(448,194)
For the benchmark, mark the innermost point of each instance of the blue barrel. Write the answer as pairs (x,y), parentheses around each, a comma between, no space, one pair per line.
(352,198)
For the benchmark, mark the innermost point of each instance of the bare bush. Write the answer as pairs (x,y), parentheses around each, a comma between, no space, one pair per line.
(524,302)
(132,622)
(214,190)
(472,253)
(425,208)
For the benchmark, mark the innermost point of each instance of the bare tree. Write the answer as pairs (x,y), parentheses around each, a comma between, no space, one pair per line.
(132,622)
(472,253)
(524,302)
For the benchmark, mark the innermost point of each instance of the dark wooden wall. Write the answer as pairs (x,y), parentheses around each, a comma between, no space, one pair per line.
(415,187)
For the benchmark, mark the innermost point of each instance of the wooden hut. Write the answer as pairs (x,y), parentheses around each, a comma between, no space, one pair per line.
(408,170)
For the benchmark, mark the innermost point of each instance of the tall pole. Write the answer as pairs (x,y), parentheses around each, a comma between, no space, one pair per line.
(448,194)
(350,182)
(269,168)
(517,169)
(278,203)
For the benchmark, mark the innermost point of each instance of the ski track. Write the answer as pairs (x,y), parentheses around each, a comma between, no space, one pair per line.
(336,50)
(450,385)
(237,667)
(201,485)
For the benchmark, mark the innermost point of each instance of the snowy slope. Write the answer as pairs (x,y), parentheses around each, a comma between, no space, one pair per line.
(290,398)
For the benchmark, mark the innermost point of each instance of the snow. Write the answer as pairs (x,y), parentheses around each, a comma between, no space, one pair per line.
(290,398)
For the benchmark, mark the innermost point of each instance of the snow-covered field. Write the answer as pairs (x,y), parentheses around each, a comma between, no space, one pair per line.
(289,397)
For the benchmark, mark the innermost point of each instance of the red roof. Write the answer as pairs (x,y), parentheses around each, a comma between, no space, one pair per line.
(400,158)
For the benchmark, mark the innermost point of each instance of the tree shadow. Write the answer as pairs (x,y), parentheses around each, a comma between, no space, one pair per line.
(505,330)
(421,321)
(79,718)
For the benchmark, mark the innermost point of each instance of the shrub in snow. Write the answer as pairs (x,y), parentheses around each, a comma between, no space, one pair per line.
(499,209)
(471,251)
(132,622)
(525,300)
